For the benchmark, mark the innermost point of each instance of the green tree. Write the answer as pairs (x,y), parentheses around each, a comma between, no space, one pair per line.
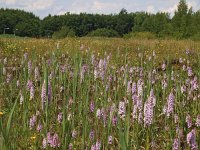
(63,33)
(181,19)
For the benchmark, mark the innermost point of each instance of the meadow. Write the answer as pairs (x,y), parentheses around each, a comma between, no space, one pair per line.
(99,93)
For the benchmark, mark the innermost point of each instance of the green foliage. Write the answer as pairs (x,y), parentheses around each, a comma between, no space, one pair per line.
(20,22)
(63,33)
(184,24)
(103,32)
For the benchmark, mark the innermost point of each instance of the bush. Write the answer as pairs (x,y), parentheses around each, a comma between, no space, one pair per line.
(103,32)
(140,35)
(63,33)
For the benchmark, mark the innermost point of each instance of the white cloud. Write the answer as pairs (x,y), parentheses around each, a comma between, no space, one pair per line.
(194,4)
(171,9)
(29,4)
(95,6)
(101,6)
(10,2)
(39,4)
(150,9)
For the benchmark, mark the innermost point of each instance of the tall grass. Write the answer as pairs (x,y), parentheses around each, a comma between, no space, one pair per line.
(99,94)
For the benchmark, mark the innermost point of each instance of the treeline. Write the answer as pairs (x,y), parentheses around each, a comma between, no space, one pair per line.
(184,24)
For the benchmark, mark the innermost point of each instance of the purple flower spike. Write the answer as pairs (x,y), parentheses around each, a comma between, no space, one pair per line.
(170,104)
(60,117)
(176,145)
(43,94)
(191,140)
(110,140)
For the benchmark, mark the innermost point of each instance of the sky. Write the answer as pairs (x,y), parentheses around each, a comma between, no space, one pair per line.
(42,8)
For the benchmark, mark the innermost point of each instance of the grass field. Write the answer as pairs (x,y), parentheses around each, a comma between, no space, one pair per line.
(99,93)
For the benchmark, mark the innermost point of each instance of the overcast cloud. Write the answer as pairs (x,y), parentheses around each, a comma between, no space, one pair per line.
(57,7)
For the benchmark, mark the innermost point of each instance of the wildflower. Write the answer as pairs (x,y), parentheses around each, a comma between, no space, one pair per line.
(183,89)
(37,74)
(1,113)
(49,92)
(134,113)
(49,138)
(190,73)
(91,135)
(21,98)
(39,127)
(187,82)
(93,147)
(32,121)
(33,137)
(74,134)
(29,67)
(122,110)
(140,84)
(43,94)
(176,145)
(95,74)
(55,141)
(104,115)
(44,143)
(110,140)
(198,121)
(60,117)
(187,51)
(70,146)
(148,111)
(32,91)
(191,140)
(170,104)
(98,113)
(134,88)
(194,84)
(153,97)
(98,145)
(129,86)
(189,121)
(29,85)
(92,106)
